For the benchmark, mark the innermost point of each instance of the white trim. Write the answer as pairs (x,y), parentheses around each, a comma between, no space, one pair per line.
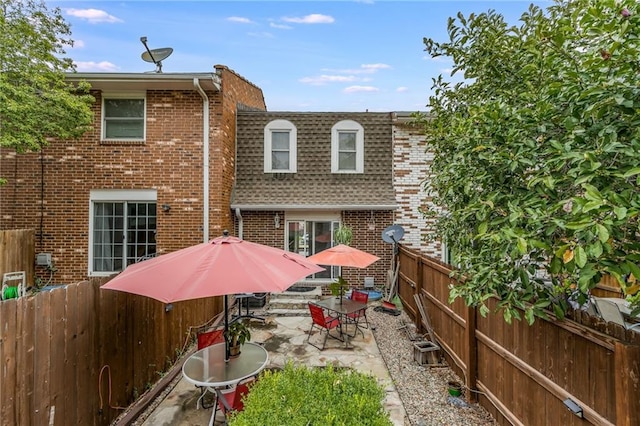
(283,126)
(313,216)
(347,126)
(123,195)
(123,95)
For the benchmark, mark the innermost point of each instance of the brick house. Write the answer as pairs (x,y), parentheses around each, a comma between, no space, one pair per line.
(299,175)
(154,175)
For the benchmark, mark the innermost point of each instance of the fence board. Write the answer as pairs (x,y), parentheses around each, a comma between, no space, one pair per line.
(71,351)
(57,369)
(26,355)
(8,337)
(42,361)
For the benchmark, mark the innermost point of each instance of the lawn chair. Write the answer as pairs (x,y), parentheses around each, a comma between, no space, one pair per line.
(230,400)
(356,317)
(11,289)
(208,338)
(323,322)
(611,313)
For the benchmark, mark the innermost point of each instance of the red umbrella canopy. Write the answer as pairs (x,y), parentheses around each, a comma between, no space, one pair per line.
(343,255)
(225,265)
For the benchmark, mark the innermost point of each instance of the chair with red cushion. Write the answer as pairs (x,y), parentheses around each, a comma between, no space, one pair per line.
(323,322)
(356,317)
(208,338)
(231,400)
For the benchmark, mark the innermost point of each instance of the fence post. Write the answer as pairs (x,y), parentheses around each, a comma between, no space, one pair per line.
(627,373)
(471,352)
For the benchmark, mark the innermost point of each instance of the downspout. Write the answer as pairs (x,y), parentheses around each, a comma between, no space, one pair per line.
(239,216)
(205,160)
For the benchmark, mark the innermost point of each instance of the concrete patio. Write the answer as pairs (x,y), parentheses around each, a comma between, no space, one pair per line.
(284,337)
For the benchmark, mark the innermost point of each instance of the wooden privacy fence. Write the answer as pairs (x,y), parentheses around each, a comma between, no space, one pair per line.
(522,374)
(17,252)
(75,354)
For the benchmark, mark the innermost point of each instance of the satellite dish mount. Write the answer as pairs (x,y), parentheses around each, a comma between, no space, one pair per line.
(155,55)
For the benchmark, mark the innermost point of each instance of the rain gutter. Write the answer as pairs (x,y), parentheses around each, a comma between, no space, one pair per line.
(205,159)
(314,207)
(240,223)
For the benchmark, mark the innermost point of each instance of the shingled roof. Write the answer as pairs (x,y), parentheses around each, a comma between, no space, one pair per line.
(314,186)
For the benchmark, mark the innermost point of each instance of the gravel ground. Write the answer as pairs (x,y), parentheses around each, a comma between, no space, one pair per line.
(423,390)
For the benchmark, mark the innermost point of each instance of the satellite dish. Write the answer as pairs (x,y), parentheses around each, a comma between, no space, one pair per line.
(155,56)
(392,234)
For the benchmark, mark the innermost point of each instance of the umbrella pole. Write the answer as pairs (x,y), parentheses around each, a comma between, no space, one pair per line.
(226,329)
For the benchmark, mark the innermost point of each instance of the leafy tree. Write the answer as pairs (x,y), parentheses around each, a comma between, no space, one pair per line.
(537,154)
(36,103)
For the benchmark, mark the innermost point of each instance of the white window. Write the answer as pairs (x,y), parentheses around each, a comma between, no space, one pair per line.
(123,117)
(280,142)
(122,229)
(311,234)
(347,147)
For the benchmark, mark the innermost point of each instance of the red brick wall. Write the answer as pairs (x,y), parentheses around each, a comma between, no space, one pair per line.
(258,227)
(50,192)
(235,90)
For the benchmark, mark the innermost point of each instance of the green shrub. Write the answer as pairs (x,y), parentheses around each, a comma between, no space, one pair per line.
(298,395)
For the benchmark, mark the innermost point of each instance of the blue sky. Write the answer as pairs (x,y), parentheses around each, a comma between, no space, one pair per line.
(305,55)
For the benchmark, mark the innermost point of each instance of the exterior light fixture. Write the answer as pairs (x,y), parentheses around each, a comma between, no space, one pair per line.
(276,221)
(166,208)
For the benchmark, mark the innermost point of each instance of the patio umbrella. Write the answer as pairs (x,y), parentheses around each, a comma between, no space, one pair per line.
(223,266)
(343,255)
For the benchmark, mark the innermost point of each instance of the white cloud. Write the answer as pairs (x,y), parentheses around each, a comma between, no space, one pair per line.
(239,20)
(357,89)
(324,79)
(314,18)
(93,16)
(78,44)
(103,66)
(280,26)
(402,89)
(364,69)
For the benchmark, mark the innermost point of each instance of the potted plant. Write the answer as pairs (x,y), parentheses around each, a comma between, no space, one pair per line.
(237,334)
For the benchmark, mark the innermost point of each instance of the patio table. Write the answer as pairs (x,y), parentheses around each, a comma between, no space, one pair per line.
(207,367)
(342,307)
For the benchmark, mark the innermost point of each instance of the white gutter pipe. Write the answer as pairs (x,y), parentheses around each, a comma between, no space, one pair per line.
(205,160)
(240,223)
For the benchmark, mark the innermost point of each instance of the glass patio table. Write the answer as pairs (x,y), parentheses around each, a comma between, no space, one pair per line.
(208,368)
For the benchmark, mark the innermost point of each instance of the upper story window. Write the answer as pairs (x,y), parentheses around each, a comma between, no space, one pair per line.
(280,142)
(123,117)
(347,147)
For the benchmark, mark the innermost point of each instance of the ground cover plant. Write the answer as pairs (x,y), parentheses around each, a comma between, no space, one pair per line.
(301,395)
(536,135)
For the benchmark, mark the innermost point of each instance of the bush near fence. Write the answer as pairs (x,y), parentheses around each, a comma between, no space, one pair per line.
(76,355)
(520,373)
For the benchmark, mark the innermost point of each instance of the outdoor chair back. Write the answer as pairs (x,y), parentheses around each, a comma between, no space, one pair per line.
(230,400)
(205,339)
(356,317)
(611,313)
(323,322)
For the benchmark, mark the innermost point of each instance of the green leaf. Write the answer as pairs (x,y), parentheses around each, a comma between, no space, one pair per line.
(603,233)
(621,212)
(580,256)
(522,245)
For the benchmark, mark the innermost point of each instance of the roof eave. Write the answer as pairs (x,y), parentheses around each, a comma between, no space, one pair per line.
(314,207)
(147,81)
